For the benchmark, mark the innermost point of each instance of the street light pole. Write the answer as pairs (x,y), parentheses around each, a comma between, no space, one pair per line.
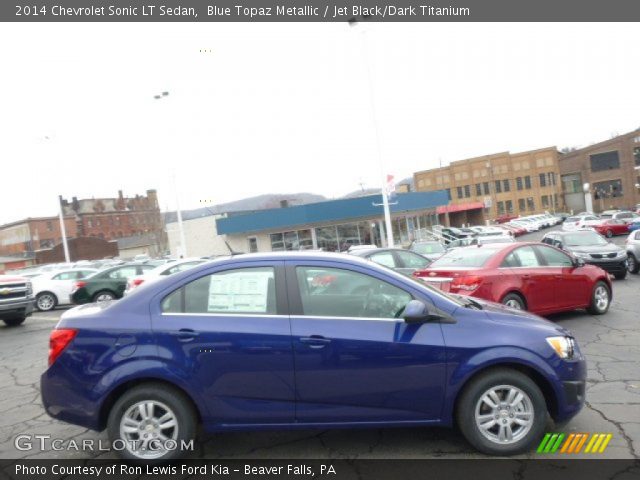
(383,175)
(182,251)
(63,231)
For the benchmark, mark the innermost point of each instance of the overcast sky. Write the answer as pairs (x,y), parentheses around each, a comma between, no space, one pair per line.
(280,108)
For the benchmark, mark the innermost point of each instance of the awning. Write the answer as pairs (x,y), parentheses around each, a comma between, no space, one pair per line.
(460,207)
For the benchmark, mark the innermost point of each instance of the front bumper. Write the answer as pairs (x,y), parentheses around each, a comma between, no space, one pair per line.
(20,307)
(571,394)
(617,266)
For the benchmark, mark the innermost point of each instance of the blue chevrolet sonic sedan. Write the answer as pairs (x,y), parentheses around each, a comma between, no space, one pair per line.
(307,340)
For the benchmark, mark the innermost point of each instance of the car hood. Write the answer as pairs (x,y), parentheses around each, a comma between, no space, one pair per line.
(501,314)
(609,248)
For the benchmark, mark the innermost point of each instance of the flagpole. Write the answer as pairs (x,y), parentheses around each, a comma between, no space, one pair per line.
(383,178)
(63,231)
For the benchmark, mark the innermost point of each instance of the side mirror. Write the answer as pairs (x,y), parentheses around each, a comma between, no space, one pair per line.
(416,312)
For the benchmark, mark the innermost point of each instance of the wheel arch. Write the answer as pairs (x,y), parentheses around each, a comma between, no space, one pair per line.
(516,292)
(545,386)
(120,389)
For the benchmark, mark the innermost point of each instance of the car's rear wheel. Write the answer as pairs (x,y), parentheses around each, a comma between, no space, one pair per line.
(46,301)
(609,233)
(632,264)
(502,412)
(104,296)
(600,299)
(514,300)
(151,422)
(14,321)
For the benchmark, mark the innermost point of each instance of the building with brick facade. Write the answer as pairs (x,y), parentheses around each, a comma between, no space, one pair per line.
(492,186)
(31,234)
(104,218)
(612,170)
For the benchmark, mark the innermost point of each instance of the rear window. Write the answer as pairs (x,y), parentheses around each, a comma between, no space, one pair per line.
(573,219)
(465,257)
(428,248)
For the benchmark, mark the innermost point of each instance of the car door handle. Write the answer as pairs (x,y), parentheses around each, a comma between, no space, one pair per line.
(315,341)
(184,334)
(526,276)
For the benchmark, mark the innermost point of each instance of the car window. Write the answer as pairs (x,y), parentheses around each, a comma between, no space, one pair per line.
(65,276)
(384,258)
(245,290)
(146,267)
(464,257)
(521,257)
(84,273)
(637,235)
(411,260)
(123,273)
(180,268)
(333,292)
(554,258)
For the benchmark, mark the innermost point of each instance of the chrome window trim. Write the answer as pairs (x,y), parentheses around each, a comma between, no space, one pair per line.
(263,315)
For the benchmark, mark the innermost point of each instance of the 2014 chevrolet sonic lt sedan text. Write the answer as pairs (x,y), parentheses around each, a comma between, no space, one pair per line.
(307,340)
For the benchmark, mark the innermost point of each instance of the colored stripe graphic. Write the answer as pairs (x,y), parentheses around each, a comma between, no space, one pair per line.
(574,442)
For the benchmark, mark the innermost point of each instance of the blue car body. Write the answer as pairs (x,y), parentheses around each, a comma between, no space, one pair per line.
(288,370)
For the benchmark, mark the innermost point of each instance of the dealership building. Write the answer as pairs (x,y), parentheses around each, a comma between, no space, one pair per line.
(332,225)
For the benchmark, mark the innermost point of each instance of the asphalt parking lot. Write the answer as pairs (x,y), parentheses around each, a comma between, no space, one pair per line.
(611,344)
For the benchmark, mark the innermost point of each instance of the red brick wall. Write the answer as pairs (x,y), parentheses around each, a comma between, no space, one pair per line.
(82,248)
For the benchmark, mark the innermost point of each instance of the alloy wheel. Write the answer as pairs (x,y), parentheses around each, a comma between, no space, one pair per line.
(631,263)
(45,302)
(513,303)
(104,297)
(149,429)
(504,414)
(601,296)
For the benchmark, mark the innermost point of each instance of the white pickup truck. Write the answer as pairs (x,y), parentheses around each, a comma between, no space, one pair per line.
(16,299)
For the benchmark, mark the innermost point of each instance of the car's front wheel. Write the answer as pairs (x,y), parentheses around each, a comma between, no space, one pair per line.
(46,301)
(609,233)
(502,412)
(14,321)
(152,422)
(600,299)
(632,264)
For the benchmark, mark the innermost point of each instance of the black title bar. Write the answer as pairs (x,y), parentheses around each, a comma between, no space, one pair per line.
(319,11)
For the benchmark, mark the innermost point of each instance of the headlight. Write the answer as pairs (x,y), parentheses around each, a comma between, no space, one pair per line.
(29,289)
(622,254)
(563,346)
(582,255)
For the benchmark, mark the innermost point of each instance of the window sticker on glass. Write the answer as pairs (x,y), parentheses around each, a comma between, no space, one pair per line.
(240,292)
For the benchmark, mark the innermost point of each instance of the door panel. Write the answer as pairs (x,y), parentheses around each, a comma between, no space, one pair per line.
(228,334)
(361,367)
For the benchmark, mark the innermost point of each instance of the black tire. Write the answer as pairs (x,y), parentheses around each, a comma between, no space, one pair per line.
(514,300)
(609,233)
(632,264)
(180,405)
(46,306)
(14,321)
(104,293)
(470,400)
(594,308)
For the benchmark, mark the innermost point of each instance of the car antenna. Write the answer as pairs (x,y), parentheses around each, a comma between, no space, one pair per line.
(232,252)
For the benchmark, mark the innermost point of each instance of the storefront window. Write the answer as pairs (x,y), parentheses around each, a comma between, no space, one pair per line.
(305,241)
(327,238)
(277,242)
(291,241)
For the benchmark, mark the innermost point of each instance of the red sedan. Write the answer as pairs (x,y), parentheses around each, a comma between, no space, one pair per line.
(525,276)
(612,227)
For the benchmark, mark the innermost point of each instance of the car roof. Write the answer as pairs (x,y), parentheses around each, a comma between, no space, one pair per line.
(581,232)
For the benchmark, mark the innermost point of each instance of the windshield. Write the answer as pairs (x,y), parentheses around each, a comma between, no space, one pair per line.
(464,257)
(584,239)
(428,248)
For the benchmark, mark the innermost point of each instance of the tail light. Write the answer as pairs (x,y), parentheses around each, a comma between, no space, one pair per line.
(136,282)
(58,341)
(78,285)
(467,283)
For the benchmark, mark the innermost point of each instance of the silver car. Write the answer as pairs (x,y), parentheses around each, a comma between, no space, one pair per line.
(633,252)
